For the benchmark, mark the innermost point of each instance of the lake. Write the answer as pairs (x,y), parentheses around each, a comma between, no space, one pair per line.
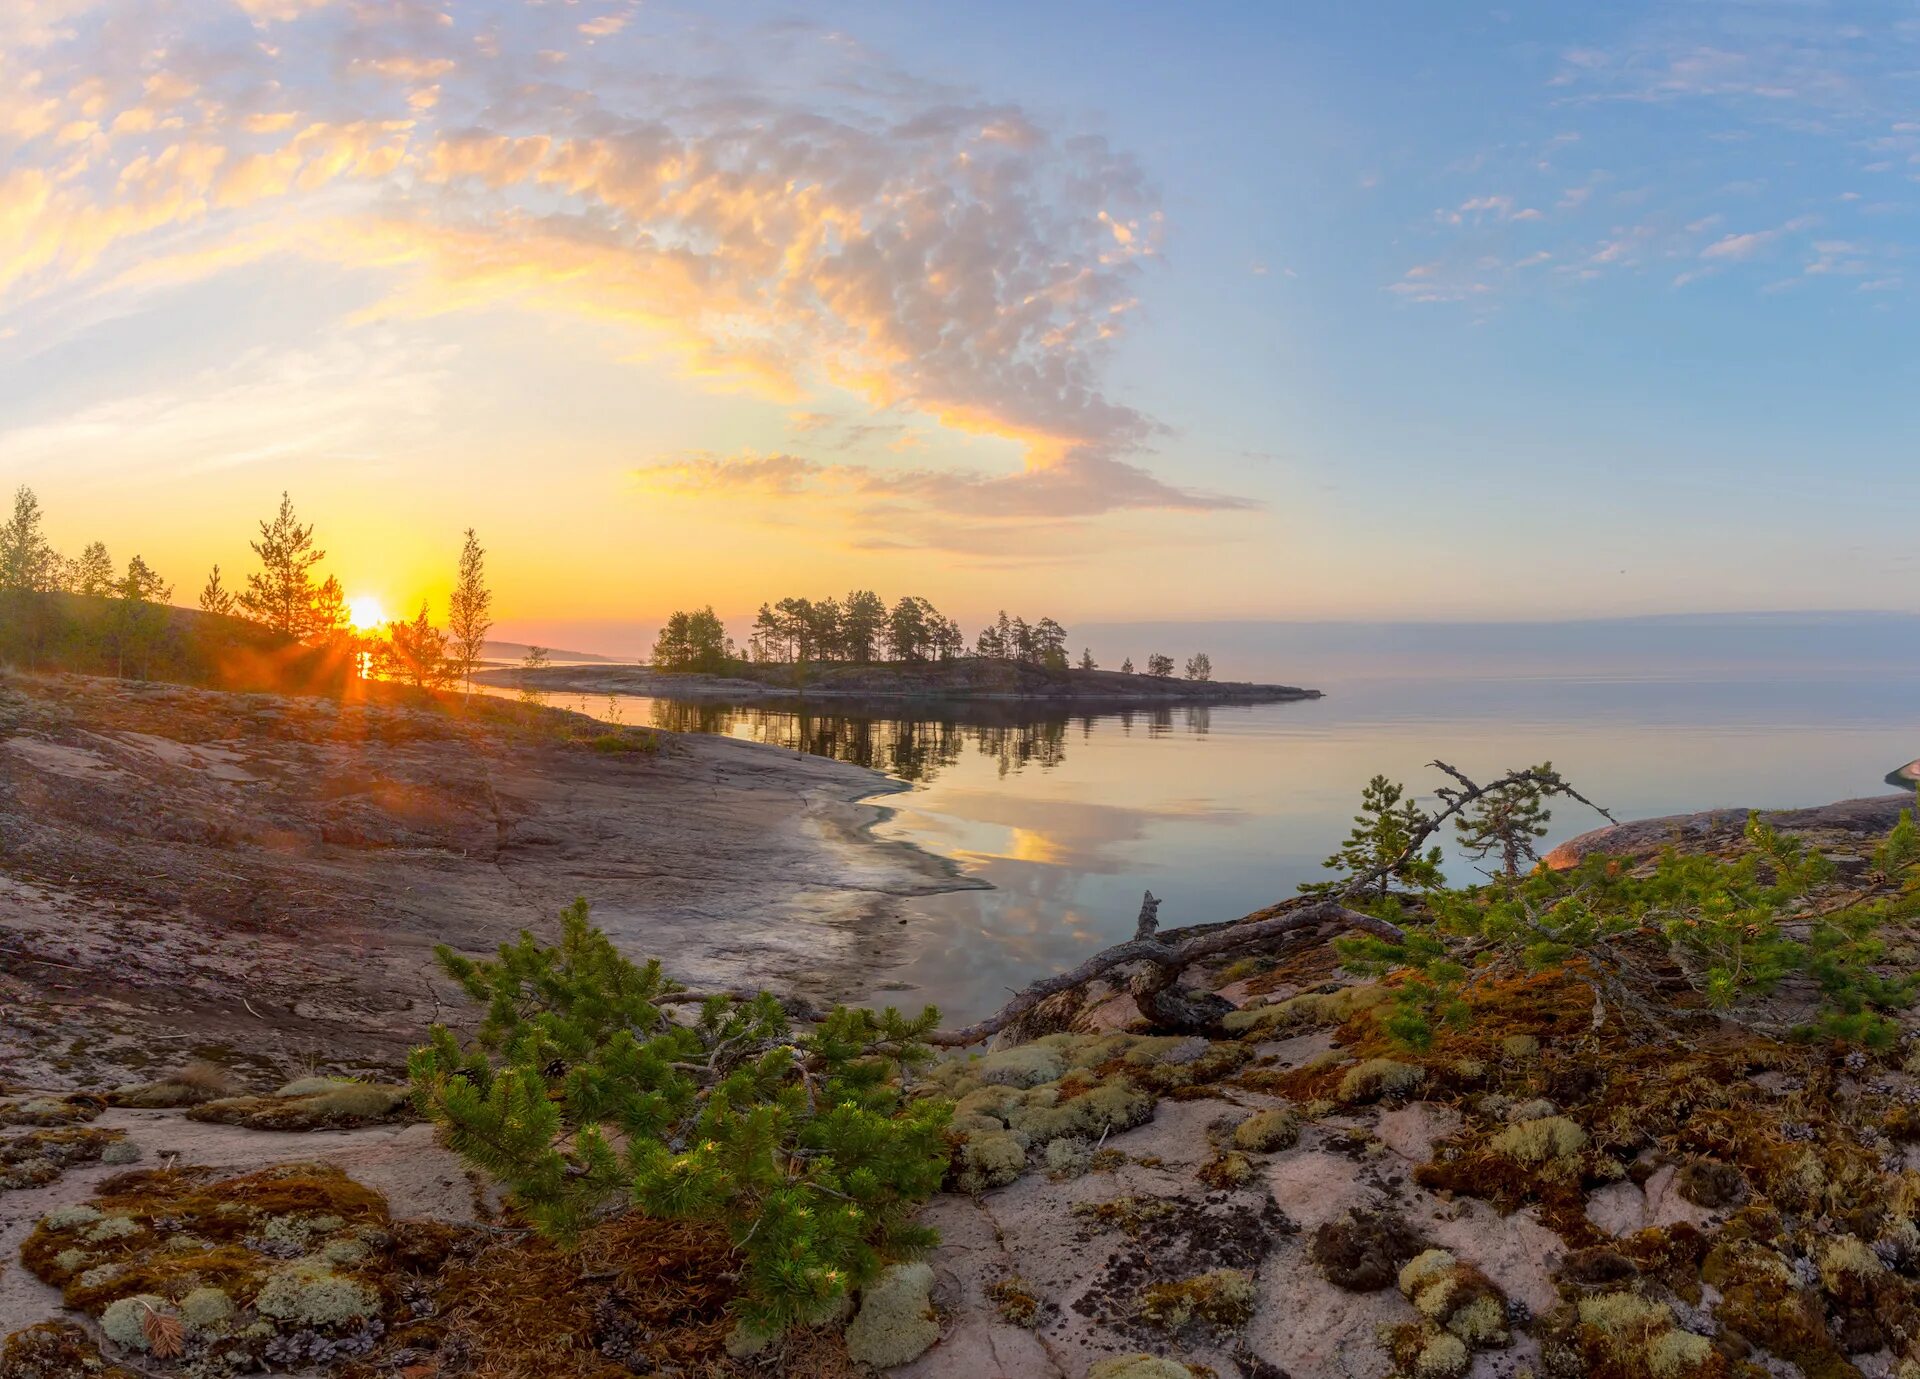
(1067,819)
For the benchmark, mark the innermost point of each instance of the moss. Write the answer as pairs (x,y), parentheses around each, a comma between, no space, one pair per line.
(1138,1366)
(56,1350)
(1456,1298)
(1266,1131)
(1710,1184)
(1226,1171)
(1673,1354)
(192,1239)
(1221,1297)
(1123,1213)
(120,1153)
(1311,1009)
(38,1157)
(1380,1077)
(1423,1351)
(895,1323)
(987,1161)
(1014,1300)
(335,1106)
(1520,1047)
(1364,1250)
(1624,1335)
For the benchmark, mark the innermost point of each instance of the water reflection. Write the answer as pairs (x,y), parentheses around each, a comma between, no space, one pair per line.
(915,748)
(1222,810)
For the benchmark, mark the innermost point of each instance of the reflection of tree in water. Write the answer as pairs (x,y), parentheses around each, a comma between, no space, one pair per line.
(915,749)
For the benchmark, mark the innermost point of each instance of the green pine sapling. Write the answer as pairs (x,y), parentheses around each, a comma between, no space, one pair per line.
(1507,819)
(1379,845)
(584,1096)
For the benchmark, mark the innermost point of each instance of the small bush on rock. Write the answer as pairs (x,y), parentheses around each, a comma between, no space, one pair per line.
(581,1091)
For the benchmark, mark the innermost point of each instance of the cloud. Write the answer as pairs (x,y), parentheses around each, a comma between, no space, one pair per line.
(897,246)
(932,508)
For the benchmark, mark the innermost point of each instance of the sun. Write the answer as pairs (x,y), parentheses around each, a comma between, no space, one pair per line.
(366,614)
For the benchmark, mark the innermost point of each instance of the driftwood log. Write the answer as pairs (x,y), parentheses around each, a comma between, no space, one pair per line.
(1156,990)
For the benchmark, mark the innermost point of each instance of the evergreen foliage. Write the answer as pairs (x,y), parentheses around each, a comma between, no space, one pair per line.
(470,610)
(280,594)
(1735,928)
(415,652)
(584,1096)
(695,641)
(1506,820)
(1382,832)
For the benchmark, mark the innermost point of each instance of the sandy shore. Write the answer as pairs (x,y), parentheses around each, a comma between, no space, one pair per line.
(261,880)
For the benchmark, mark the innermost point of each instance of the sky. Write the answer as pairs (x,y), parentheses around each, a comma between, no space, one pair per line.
(1105,311)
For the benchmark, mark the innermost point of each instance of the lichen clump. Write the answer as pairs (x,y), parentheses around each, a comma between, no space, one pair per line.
(276,1268)
(895,1323)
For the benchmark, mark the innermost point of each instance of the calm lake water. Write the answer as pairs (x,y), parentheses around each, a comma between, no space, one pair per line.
(1220,811)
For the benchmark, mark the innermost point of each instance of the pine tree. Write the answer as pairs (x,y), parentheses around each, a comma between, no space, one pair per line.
(470,611)
(583,1096)
(1126,666)
(1160,667)
(215,598)
(140,615)
(92,574)
(1382,831)
(1200,666)
(329,615)
(1086,660)
(281,594)
(415,652)
(1506,821)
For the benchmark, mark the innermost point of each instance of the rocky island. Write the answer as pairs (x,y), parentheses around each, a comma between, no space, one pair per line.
(965,680)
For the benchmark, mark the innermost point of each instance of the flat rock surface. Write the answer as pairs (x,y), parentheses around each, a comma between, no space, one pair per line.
(261,880)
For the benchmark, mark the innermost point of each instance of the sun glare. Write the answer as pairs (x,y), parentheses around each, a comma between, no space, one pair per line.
(366,614)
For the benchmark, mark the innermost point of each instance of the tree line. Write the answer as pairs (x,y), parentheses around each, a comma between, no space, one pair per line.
(862,630)
(284,597)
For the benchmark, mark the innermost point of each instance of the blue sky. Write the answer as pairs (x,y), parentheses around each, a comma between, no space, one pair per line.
(1132,311)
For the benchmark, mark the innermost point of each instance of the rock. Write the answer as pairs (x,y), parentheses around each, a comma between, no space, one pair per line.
(895,1323)
(1857,818)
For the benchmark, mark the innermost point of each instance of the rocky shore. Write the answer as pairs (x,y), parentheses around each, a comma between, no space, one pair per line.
(261,879)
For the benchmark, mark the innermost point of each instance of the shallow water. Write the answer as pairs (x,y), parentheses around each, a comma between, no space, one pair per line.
(1220,811)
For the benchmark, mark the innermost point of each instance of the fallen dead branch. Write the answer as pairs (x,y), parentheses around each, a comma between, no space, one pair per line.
(1156,990)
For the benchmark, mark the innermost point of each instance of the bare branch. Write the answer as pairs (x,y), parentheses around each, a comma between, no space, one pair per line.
(1547,782)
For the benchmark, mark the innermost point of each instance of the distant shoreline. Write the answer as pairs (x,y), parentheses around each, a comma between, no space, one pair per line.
(968,680)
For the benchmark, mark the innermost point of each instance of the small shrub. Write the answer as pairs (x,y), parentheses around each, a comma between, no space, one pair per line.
(802,1145)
